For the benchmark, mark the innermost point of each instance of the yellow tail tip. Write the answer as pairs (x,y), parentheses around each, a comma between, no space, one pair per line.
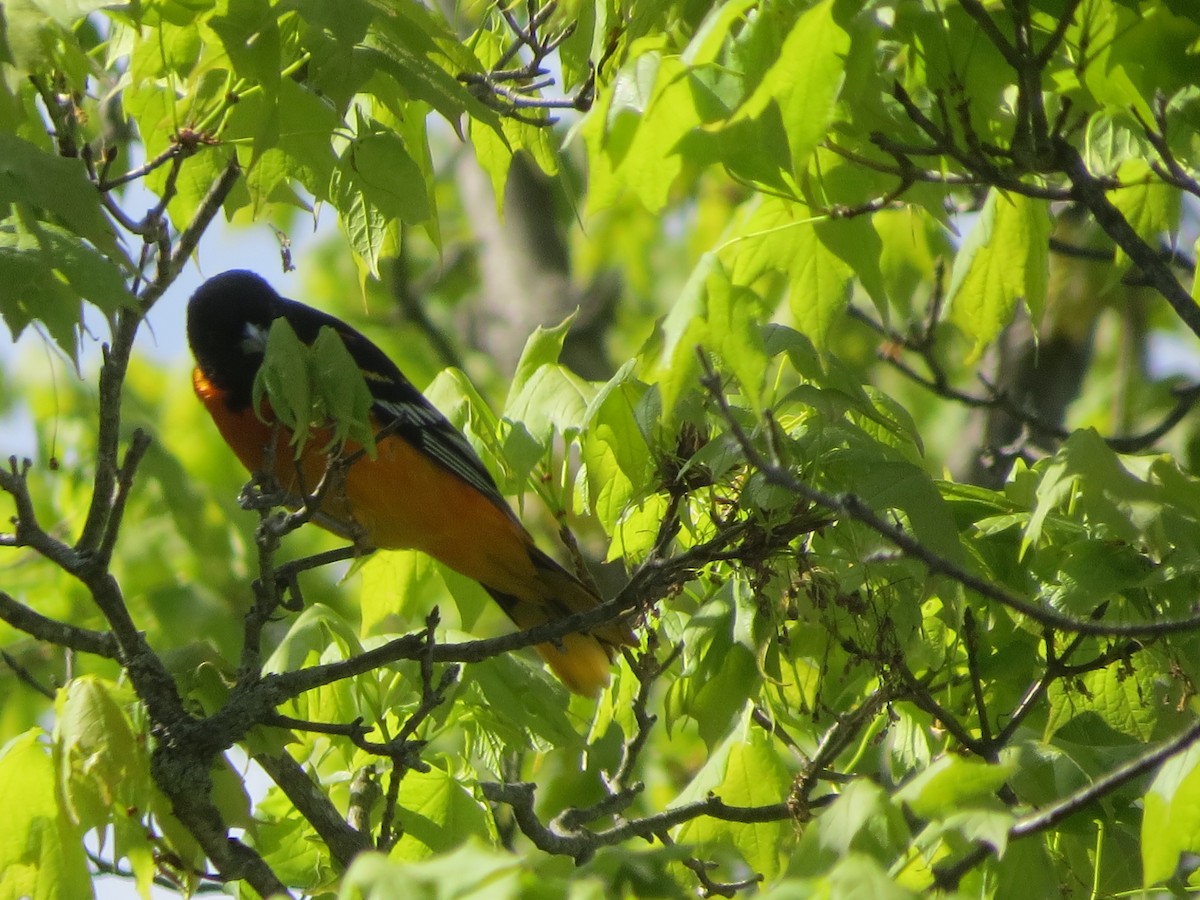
(581,662)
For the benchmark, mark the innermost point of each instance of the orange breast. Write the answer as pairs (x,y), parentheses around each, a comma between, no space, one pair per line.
(401,499)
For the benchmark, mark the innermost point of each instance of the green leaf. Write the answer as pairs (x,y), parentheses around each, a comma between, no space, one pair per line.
(710,775)
(553,400)
(635,530)
(615,452)
(371,234)
(856,243)
(412,126)
(1171,820)
(68,12)
(283,378)
(346,21)
(399,588)
(805,81)
(42,854)
(519,705)
(60,188)
(1196,276)
(305,154)
(1092,572)
(1026,870)
(495,147)
(546,396)
(378,165)
(754,776)
(1003,261)
(474,870)
(735,315)
(1045,772)
(437,814)
(1151,207)
(781,238)
(720,670)
(861,876)
(319,635)
(229,793)
(1086,471)
(1140,52)
(416,48)
(862,818)
(976,826)
(196,179)
(30,296)
(543,348)
(37,36)
(952,783)
(284,838)
(317,387)
(98,753)
(634,131)
(376,185)
(683,330)
(345,399)
(715,31)
(912,244)
(753,150)
(886,484)
(250,35)
(1109,706)
(314,632)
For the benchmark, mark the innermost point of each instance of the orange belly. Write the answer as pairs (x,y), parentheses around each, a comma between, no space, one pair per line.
(402,499)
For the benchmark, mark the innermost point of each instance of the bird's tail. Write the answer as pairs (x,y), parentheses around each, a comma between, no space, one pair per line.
(581,660)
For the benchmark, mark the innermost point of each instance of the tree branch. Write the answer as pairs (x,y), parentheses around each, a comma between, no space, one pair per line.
(1090,191)
(21,617)
(582,844)
(947,877)
(852,507)
(344,841)
(1042,431)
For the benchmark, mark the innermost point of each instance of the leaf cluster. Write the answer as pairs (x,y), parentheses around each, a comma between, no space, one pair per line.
(869,661)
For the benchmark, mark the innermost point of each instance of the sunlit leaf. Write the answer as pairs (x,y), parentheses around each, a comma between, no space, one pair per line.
(953,783)
(1171,822)
(804,81)
(438,814)
(43,856)
(1002,262)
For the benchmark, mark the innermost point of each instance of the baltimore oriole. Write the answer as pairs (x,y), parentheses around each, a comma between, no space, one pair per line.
(426,489)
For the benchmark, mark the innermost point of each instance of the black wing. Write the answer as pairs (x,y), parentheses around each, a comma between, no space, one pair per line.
(399,407)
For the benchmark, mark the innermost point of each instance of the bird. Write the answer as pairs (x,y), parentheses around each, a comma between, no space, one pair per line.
(425,489)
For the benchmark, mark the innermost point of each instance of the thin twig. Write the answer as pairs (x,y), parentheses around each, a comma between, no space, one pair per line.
(25,676)
(139,443)
(938,383)
(170,153)
(402,750)
(971,645)
(492,89)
